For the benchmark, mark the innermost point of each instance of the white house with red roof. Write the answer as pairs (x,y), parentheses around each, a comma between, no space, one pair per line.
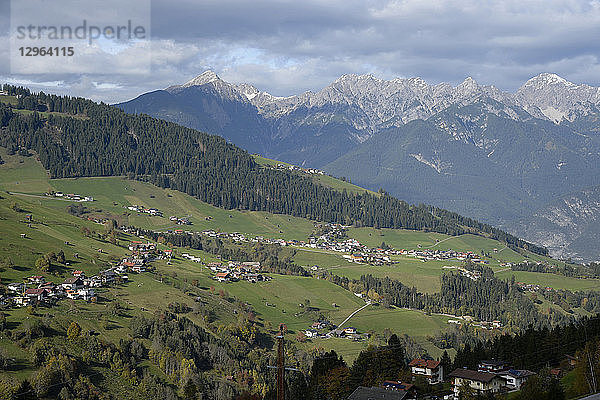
(432,370)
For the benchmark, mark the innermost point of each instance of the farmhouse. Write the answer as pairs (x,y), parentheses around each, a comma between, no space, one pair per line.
(432,370)
(480,382)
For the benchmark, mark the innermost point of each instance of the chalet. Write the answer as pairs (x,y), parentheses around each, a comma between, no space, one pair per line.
(35,294)
(72,283)
(480,382)
(432,370)
(492,366)
(223,276)
(515,378)
(16,287)
(72,294)
(79,274)
(377,393)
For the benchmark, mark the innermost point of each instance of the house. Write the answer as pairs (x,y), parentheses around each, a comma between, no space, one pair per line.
(432,370)
(86,294)
(35,294)
(253,277)
(515,378)
(572,361)
(72,283)
(16,287)
(107,276)
(79,274)
(72,294)
(492,366)
(138,269)
(311,333)
(480,382)
(22,301)
(376,393)
(223,276)
(400,386)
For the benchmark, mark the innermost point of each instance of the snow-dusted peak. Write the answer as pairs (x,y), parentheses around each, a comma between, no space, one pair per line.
(545,79)
(202,79)
(468,85)
(556,98)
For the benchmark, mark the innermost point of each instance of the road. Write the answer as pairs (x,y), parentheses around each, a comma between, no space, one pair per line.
(353,314)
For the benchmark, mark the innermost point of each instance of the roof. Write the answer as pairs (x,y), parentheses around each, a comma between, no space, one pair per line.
(397,385)
(518,373)
(419,362)
(34,291)
(374,393)
(472,375)
(222,274)
(492,362)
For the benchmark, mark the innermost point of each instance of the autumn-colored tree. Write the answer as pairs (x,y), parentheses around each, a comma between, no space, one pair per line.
(74,331)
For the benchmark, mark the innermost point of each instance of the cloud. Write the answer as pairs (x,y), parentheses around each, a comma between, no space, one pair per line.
(286,47)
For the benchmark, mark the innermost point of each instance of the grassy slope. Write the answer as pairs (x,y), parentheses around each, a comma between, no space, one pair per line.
(53,227)
(324,180)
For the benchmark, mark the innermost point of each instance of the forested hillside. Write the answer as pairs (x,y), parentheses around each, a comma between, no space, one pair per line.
(104,141)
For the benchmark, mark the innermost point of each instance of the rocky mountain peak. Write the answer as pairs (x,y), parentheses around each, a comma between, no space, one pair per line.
(202,79)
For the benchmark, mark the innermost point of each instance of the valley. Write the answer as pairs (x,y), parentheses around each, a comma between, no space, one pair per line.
(317,259)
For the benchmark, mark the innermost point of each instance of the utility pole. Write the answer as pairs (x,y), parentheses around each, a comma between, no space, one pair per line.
(281,368)
(280,365)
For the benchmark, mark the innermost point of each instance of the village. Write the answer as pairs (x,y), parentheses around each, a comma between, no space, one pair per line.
(69,196)
(35,290)
(289,167)
(490,377)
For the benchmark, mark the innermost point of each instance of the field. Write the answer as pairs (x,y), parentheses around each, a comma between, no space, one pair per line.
(324,180)
(552,280)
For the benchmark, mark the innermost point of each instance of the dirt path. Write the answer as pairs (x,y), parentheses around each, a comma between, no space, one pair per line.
(353,314)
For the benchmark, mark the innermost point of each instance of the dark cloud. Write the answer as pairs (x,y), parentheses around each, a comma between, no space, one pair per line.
(286,47)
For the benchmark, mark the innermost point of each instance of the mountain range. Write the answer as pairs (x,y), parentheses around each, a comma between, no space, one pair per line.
(510,159)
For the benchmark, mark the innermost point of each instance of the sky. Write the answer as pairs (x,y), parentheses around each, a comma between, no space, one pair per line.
(288,47)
